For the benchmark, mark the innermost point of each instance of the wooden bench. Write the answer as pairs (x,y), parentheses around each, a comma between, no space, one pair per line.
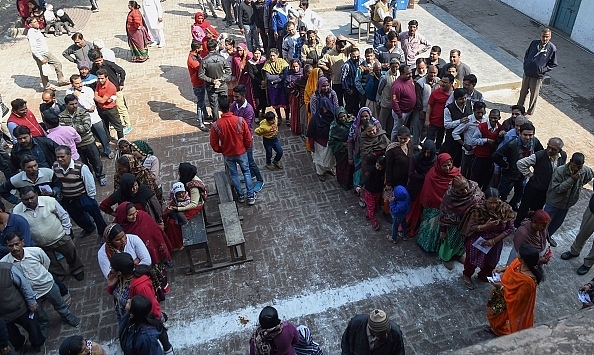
(233,232)
(361,19)
(223,187)
(194,237)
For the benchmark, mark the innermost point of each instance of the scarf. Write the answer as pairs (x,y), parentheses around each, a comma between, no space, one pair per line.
(370,145)
(339,133)
(479,214)
(124,192)
(109,234)
(143,175)
(319,126)
(260,61)
(156,241)
(422,164)
(142,147)
(454,205)
(436,182)
(239,63)
(275,68)
(525,234)
(355,131)
(264,339)
(311,85)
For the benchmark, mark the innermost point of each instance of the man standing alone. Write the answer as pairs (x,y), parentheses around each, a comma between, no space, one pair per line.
(540,58)
(42,55)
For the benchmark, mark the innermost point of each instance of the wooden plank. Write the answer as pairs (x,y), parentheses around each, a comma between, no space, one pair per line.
(223,187)
(194,232)
(231,224)
(218,266)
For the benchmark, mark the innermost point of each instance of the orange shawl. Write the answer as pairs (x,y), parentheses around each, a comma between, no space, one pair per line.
(519,291)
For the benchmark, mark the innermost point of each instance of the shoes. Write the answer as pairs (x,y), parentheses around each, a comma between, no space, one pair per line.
(85,233)
(63,83)
(73,321)
(583,270)
(95,10)
(203,128)
(214,16)
(375,225)
(79,276)
(103,181)
(170,351)
(111,155)
(251,200)
(152,44)
(321,178)
(21,348)
(568,255)
(362,203)
(271,167)
(449,265)
(127,129)
(552,241)
(258,186)
(468,283)
(241,199)
(277,164)
(160,45)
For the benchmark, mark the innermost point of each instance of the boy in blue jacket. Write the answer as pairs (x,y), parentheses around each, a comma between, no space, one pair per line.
(399,208)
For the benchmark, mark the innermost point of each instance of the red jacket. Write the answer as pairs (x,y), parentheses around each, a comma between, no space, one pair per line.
(193,67)
(143,285)
(230,135)
(28,120)
(487,150)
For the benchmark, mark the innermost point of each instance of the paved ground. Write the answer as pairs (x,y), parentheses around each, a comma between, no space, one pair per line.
(315,257)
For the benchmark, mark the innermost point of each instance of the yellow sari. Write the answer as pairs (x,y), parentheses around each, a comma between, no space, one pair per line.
(310,89)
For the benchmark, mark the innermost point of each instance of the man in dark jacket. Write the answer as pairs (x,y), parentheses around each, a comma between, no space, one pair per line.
(540,58)
(507,157)
(50,107)
(214,70)
(372,334)
(42,148)
(543,164)
(247,24)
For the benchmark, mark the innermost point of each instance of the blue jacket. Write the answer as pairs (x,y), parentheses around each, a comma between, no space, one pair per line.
(538,63)
(400,205)
(280,17)
(139,339)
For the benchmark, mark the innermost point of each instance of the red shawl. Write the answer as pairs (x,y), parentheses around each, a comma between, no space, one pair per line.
(207,28)
(436,182)
(145,227)
(238,65)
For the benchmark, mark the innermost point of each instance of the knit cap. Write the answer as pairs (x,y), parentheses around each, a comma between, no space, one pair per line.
(84,64)
(378,321)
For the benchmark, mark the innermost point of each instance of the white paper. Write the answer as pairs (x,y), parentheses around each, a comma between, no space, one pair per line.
(478,244)
(584,297)
(45,188)
(495,278)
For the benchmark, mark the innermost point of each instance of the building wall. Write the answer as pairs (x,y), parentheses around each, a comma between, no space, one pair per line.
(582,30)
(540,10)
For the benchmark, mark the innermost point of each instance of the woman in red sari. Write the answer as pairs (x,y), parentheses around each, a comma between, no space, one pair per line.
(138,37)
(511,306)
(295,91)
(140,223)
(187,176)
(240,70)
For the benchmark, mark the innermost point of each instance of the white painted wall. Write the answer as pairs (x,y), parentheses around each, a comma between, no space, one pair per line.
(540,10)
(582,30)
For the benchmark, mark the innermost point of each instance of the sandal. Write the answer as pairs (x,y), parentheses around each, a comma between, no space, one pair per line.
(469,284)
(488,329)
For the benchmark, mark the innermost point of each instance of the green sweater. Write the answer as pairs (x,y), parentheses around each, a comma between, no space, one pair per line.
(81,121)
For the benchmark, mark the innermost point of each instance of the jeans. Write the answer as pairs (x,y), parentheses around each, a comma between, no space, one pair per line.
(397,123)
(99,133)
(352,101)
(417,126)
(89,155)
(269,146)
(55,298)
(505,187)
(394,6)
(252,38)
(110,116)
(339,93)
(557,217)
(398,222)
(254,170)
(201,113)
(31,326)
(242,160)
(228,9)
(81,210)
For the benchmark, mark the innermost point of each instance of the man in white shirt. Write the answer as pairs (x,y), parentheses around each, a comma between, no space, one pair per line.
(50,230)
(34,264)
(312,20)
(423,87)
(41,53)
(86,101)
(463,135)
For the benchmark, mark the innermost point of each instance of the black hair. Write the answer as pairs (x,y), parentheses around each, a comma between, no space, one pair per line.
(491,192)
(195,45)
(578,158)
(470,78)
(413,23)
(240,89)
(25,190)
(448,76)
(17,104)
(230,41)
(479,105)
(369,51)
(124,161)
(269,116)
(403,130)
(224,104)
(381,160)
(273,50)
(20,130)
(95,54)
(72,345)
(123,263)
(519,107)
(65,148)
(74,77)
(403,68)
(388,19)
(211,45)
(436,49)
(527,127)
(391,35)
(76,35)
(11,235)
(52,121)
(529,254)
(70,97)
(103,72)
(459,92)
(27,158)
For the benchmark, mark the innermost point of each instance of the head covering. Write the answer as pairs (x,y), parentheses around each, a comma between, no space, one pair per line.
(423,164)
(239,63)
(177,187)
(156,241)
(205,25)
(275,68)
(454,205)
(142,175)
(319,126)
(109,234)
(142,147)
(540,216)
(187,172)
(84,64)
(321,81)
(355,127)
(529,254)
(339,134)
(268,318)
(60,12)
(437,182)
(99,43)
(49,7)
(122,262)
(124,192)
(140,308)
(72,345)
(378,322)
(306,345)
(312,84)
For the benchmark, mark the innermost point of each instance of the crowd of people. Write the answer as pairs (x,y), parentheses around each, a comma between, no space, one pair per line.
(410,135)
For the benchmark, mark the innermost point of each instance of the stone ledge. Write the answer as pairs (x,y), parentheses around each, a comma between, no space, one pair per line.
(568,335)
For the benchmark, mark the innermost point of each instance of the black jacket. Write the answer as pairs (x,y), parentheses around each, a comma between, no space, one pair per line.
(508,155)
(115,73)
(44,149)
(355,341)
(543,171)
(245,14)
